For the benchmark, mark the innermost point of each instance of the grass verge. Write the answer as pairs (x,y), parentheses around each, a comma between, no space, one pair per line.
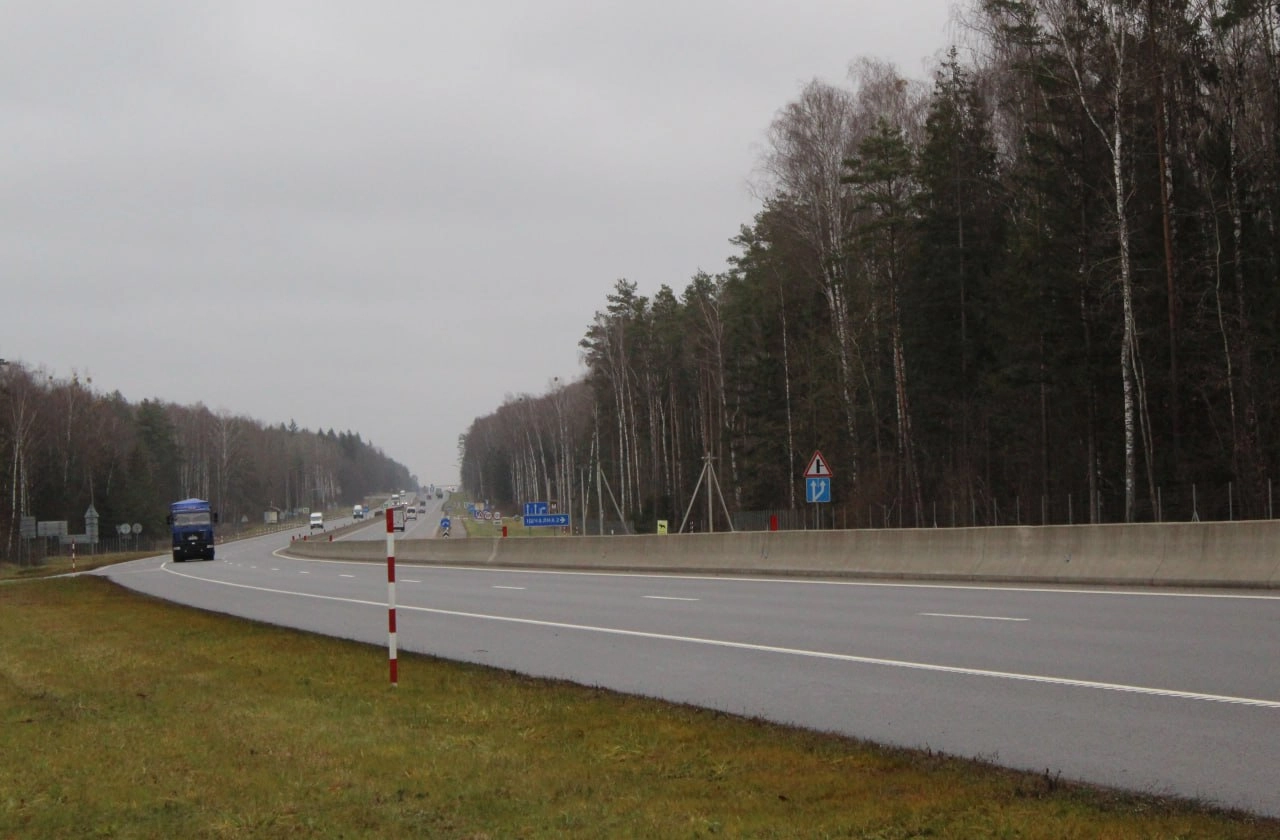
(51,566)
(124,716)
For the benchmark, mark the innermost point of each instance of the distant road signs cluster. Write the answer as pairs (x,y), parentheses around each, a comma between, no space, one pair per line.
(538,515)
(547,520)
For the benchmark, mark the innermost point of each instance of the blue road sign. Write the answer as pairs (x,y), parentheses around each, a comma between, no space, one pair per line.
(444,524)
(536,509)
(817,490)
(548,520)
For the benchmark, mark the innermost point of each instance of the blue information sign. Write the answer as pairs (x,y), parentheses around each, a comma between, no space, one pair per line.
(444,524)
(536,509)
(547,520)
(817,490)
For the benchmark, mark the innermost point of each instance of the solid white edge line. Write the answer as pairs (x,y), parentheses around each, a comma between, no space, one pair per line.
(812,654)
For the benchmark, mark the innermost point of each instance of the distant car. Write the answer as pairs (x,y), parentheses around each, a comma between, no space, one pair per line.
(411,513)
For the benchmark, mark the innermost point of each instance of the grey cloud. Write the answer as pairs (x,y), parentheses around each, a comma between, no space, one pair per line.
(390,214)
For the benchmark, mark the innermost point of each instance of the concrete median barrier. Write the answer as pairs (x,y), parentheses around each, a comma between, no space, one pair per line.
(1210,554)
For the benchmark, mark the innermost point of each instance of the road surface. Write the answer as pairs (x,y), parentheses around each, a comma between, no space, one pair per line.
(1159,691)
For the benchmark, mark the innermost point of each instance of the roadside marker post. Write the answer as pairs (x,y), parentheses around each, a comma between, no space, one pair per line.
(391,595)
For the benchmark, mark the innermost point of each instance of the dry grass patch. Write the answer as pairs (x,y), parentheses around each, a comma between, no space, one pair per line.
(51,566)
(124,716)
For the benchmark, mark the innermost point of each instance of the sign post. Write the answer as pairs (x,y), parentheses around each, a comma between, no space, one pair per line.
(817,482)
(391,594)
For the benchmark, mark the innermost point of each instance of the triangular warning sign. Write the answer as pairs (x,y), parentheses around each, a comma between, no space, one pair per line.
(818,467)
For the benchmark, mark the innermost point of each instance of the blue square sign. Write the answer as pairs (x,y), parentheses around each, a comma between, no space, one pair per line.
(535,509)
(817,490)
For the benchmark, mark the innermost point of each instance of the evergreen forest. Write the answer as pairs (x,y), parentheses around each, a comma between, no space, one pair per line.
(66,447)
(1041,287)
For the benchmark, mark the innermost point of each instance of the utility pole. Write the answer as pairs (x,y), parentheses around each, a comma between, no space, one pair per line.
(711,522)
(709,475)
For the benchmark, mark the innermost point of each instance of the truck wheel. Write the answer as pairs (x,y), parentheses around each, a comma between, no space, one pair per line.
(177,558)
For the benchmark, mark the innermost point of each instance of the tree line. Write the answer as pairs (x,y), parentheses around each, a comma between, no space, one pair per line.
(65,446)
(1047,282)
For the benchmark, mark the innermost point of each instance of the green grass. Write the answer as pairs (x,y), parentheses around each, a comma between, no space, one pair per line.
(51,566)
(124,716)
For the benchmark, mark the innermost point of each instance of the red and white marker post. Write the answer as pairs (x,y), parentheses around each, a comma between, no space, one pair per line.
(391,593)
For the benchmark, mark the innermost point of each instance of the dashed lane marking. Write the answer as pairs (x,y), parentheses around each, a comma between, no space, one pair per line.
(979,617)
(1064,682)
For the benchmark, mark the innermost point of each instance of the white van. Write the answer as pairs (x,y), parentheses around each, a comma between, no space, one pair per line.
(317,521)
(357,512)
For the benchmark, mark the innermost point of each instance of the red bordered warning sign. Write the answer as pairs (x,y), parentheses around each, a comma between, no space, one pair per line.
(818,467)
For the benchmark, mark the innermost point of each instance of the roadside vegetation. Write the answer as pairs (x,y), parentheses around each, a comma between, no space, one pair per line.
(53,566)
(456,509)
(125,716)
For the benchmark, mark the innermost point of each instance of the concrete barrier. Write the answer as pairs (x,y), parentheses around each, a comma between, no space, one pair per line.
(1210,554)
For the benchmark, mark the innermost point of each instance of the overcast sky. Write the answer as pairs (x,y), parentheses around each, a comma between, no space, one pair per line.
(383,217)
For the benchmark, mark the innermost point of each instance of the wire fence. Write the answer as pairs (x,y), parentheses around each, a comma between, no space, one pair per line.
(1185,503)
(37,551)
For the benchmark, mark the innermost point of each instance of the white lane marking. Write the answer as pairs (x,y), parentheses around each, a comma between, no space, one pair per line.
(409,580)
(350,576)
(304,573)
(274,569)
(812,654)
(1228,596)
(980,617)
(669,598)
(508,587)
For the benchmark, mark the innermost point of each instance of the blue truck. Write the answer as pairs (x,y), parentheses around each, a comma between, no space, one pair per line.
(192,521)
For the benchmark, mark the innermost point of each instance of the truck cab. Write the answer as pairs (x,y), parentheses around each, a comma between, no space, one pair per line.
(191,523)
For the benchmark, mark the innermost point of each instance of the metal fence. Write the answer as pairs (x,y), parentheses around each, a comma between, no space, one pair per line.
(37,551)
(1183,503)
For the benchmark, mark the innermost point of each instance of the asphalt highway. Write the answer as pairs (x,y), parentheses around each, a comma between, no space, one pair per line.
(424,526)
(1160,691)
